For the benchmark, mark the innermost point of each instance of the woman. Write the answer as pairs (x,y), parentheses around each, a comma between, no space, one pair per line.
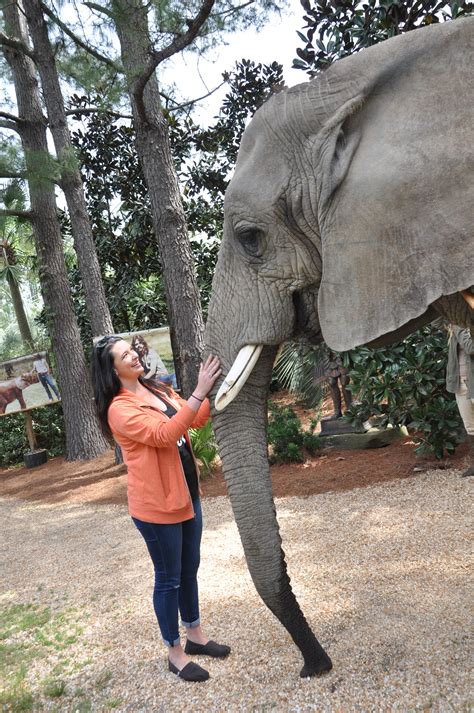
(149,358)
(150,422)
(152,362)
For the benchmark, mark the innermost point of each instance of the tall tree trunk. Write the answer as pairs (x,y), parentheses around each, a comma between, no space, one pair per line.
(20,313)
(7,252)
(83,436)
(153,147)
(71,180)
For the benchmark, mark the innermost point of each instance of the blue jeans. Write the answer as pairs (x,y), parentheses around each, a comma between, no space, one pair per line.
(48,381)
(175,553)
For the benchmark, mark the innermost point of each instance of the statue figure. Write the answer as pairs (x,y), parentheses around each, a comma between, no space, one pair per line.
(338,378)
(330,369)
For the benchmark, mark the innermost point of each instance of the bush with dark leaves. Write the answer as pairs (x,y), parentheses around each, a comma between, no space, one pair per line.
(48,426)
(288,440)
(405,385)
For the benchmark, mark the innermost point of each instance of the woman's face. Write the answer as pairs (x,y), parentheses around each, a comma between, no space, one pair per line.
(140,347)
(126,361)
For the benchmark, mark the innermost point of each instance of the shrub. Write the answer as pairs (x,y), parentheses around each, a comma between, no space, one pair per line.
(48,426)
(204,448)
(287,439)
(404,384)
(296,369)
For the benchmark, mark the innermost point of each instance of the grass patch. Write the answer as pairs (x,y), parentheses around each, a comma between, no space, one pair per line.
(15,654)
(54,688)
(103,680)
(16,699)
(30,633)
(22,617)
(17,696)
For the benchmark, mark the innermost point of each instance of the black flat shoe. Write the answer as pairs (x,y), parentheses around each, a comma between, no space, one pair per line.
(217,651)
(190,672)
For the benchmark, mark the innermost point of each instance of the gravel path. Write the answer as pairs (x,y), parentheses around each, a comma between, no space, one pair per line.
(382,574)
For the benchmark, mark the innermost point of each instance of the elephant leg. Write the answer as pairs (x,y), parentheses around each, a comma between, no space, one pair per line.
(470,457)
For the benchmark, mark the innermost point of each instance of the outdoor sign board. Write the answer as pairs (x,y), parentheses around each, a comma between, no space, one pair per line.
(153,347)
(27,382)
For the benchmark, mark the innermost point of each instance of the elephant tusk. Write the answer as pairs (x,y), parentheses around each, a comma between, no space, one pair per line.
(238,375)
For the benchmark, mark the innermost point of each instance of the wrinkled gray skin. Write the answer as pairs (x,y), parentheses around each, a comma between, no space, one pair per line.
(348,219)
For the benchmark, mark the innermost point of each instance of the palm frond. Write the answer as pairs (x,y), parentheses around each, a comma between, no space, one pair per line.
(204,447)
(12,271)
(300,368)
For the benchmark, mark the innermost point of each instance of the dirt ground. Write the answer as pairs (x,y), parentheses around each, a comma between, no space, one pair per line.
(100,481)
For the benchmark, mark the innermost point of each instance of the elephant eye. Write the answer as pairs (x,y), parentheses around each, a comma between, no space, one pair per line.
(252,240)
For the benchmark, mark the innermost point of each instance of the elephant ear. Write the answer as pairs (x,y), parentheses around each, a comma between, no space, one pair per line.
(378,279)
(395,201)
(364,308)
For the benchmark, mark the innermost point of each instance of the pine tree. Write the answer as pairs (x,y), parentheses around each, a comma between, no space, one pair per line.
(70,176)
(83,436)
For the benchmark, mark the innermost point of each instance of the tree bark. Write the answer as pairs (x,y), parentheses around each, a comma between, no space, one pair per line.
(83,436)
(20,313)
(153,147)
(71,180)
(9,258)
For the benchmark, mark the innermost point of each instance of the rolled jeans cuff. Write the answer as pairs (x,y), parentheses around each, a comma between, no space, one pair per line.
(174,643)
(192,624)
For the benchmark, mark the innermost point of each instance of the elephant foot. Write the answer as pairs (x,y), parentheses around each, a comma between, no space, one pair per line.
(316,668)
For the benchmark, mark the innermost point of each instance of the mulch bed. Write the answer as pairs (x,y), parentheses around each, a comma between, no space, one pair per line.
(102,482)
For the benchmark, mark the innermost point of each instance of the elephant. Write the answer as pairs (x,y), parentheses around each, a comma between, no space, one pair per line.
(348,219)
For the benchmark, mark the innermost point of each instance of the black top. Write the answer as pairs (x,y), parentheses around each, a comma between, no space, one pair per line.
(187,459)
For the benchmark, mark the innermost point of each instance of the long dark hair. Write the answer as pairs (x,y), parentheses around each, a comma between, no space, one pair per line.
(105,381)
(138,339)
(107,384)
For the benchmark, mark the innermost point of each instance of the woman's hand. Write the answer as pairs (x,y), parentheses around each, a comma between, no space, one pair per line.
(209,372)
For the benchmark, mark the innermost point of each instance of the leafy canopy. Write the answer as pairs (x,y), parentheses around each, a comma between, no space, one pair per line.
(118,203)
(338,29)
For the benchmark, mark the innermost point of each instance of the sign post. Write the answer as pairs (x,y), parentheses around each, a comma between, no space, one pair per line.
(35,456)
(30,434)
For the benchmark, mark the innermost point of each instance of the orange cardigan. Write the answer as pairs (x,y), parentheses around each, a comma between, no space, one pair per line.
(157,489)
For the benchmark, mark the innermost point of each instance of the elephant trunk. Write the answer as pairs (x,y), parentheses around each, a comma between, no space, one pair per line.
(241,434)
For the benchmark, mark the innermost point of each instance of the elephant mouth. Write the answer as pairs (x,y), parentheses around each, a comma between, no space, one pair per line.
(305,322)
(237,375)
